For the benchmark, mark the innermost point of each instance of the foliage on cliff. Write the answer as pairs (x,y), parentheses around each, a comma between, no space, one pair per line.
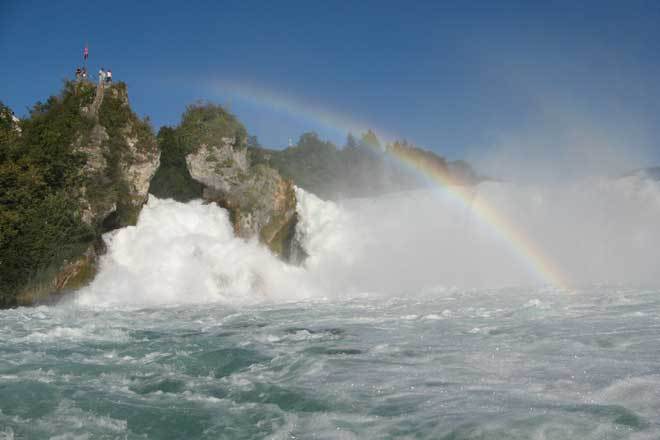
(201,123)
(52,190)
(172,180)
(109,187)
(207,123)
(208,156)
(363,167)
(40,224)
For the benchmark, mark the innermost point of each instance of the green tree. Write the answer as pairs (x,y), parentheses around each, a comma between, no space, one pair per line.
(201,123)
(40,224)
(173,180)
(207,123)
(369,140)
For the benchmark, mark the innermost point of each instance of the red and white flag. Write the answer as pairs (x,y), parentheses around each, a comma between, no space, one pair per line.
(85,53)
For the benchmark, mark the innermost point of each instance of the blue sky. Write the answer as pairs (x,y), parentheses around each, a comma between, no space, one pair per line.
(466,79)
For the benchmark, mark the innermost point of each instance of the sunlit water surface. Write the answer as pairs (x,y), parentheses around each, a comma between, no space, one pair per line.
(495,364)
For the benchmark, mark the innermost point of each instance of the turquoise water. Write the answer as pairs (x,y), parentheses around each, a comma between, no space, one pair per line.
(451,364)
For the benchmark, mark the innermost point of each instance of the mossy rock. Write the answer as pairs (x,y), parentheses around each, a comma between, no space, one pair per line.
(282,242)
(278,234)
(53,283)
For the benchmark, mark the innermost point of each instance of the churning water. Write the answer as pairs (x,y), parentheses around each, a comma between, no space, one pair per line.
(411,318)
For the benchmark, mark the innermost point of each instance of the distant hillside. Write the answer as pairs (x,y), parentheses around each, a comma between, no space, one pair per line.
(360,168)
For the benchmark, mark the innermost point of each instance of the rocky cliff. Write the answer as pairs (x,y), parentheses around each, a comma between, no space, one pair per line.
(206,156)
(80,166)
(260,202)
(122,157)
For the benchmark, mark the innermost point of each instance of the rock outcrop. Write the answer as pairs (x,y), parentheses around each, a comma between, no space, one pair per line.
(71,275)
(82,165)
(116,155)
(122,157)
(260,202)
(207,156)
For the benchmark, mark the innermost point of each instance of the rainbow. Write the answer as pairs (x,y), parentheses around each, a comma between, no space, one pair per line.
(519,243)
(300,109)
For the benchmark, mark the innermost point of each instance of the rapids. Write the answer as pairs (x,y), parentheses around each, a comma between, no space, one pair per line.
(412,317)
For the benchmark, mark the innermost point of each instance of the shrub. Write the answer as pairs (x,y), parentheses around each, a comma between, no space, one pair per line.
(201,123)
(172,180)
(40,224)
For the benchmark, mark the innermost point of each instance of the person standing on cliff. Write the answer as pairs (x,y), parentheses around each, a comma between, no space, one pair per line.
(101,75)
(108,76)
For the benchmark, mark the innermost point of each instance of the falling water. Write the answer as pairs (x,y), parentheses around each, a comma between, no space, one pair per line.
(411,317)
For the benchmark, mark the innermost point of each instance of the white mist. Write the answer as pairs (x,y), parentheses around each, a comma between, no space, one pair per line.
(409,243)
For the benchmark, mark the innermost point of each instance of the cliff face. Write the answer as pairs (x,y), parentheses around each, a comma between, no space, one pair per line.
(260,202)
(96,158)
(122,157)
(207,156)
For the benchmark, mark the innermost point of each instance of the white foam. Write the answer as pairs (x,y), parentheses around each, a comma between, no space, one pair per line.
(7,434)
(399,244)
(433,317)
(187,253)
